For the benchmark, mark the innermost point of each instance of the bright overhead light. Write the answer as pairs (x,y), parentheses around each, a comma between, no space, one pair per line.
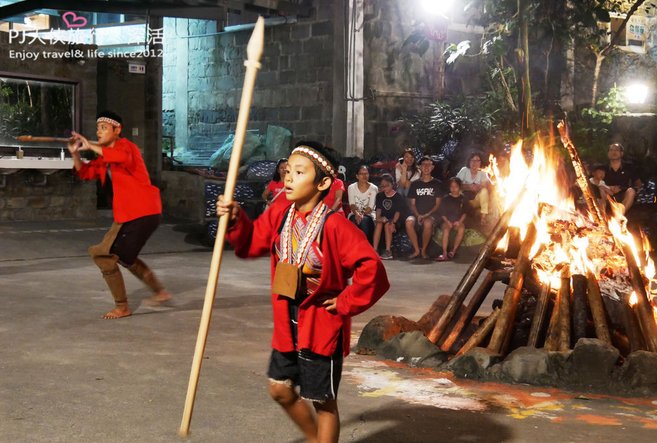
(437,7)
(636,93)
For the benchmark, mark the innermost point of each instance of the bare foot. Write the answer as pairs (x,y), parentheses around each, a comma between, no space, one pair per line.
(159,297)
(118,312)
(414,255)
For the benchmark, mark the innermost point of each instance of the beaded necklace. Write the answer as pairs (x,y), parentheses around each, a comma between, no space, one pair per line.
(308,235)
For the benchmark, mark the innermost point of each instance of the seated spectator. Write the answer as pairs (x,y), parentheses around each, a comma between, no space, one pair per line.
(424,199)
(600,188)
(406,172)
(334,197)
(620,177)
(391,211)
(452,214)
(362,202)
(477,187)
(276,186)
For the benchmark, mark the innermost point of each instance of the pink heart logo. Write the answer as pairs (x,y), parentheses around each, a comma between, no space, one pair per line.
(73,20)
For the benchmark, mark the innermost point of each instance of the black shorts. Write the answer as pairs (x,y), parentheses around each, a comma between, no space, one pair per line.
(132,237)
(317,376)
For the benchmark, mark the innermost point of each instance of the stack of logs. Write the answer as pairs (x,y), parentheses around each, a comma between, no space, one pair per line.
(570,308)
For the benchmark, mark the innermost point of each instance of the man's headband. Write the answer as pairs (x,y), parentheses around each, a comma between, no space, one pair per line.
(108,120)
(316,158)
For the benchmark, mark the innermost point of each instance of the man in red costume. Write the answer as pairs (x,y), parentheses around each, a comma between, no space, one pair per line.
(313,256)
(136,205)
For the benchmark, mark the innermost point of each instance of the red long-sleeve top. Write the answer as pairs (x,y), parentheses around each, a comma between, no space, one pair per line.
(346,254)
(134,195)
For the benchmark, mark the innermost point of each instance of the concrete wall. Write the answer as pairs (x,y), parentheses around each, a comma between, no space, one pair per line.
(203,79)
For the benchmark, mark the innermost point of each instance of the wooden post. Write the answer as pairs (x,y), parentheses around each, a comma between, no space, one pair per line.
(643,308)
(473,273)
(503,325)
(564,311)
(552,337)
(481,333)
(579,306)
(597,308)
(469,312)
(631,324)
(539,314)
(254,52)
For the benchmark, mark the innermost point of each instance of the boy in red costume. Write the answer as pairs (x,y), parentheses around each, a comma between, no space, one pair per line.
(136,205)
(313,256)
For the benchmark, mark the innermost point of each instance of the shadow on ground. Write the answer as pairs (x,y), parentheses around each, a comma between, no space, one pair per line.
(425,423)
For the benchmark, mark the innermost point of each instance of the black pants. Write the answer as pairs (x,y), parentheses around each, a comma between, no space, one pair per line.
(366,225)
(132,237)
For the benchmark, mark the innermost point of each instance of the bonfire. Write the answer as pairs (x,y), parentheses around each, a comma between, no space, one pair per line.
(586,274)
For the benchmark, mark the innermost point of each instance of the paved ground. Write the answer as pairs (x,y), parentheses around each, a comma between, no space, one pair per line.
(68,376)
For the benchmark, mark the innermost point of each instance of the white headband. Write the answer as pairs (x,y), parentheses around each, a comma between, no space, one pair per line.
(108,120)
(316,158)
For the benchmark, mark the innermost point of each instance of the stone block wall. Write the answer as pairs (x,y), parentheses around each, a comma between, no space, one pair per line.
(203,77)
(26,197)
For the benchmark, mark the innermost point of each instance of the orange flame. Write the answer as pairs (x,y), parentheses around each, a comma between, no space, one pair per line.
(492,169)
(551,279)
(580,259)
(618,227)
(634,299)
(649,268)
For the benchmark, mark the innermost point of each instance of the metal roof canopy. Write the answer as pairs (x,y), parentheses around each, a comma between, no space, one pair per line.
(198,9)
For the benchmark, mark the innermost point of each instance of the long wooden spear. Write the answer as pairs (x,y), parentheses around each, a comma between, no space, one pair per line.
(37,139)
(254,51)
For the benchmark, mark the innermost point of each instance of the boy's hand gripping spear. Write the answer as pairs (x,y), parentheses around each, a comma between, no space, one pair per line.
(254,52)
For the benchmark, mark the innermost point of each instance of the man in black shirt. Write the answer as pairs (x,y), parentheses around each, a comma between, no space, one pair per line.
(424,199)
(620,177)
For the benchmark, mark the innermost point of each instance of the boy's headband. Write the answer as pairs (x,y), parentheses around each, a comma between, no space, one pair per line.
(108,120)
(316,158)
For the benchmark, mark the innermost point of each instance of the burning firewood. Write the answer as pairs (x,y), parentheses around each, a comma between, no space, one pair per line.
(481,333)
(564,312)
(473,273)
(597,308)
(631,324)
(581,174)
(579,306)
(475,303)
(539,313)
(561,249)
(502,331)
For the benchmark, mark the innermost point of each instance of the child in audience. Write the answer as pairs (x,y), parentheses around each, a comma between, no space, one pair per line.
(391,211)
(453,212)
(275,186)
